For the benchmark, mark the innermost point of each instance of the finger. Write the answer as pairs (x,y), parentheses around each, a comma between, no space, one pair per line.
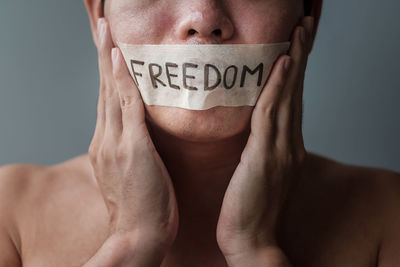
(308,23)
(103,45)
(298,140)
(113,121)
(101,112)
(263,124)
(130,100)
(286,110)
(298,52)
(103,49)
(100,123)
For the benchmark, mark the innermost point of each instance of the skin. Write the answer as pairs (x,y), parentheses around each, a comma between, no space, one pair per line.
(330,214)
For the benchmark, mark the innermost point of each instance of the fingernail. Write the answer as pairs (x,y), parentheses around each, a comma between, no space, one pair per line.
(287,64)
(114,54)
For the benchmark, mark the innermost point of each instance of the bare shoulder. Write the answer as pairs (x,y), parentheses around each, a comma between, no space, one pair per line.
(46,204)
(368,186)
(386,195)
(12,181)
(372,194)
(348,215)
(373,181)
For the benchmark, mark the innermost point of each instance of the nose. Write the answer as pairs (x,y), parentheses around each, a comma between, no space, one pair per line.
(204,22)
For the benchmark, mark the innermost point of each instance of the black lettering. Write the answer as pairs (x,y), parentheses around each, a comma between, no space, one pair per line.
(154,76)
(235,69)
(169,75)
(185,76)
(259,68)
(133,70)
(207,75)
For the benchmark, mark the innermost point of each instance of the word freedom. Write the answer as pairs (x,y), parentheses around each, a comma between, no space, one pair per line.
(178,77)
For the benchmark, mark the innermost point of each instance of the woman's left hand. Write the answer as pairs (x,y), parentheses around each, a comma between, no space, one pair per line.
(272,157)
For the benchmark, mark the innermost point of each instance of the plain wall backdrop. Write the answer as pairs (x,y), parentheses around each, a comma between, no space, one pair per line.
(49,83)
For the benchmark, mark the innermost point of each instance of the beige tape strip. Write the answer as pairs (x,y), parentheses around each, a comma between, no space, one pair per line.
(200,77)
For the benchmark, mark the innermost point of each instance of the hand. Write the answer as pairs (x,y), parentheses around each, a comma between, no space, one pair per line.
(272,157)
(134,182)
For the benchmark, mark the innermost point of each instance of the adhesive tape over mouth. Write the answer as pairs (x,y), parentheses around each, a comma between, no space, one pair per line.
(200,77)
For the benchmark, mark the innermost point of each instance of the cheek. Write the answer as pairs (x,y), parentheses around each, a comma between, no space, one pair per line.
(140,27)
(267,25)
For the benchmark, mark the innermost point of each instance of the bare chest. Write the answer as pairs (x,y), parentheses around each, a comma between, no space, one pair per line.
(69,232)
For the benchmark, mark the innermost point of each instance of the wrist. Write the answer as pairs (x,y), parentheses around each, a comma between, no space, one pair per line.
(137,249)
(149,236)
(271,256)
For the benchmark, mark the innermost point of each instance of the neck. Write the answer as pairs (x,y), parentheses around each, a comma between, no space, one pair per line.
(200,172)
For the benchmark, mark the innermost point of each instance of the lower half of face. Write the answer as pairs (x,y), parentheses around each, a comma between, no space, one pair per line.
(207,21)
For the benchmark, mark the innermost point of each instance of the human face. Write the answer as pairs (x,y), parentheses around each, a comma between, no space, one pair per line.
(202,22)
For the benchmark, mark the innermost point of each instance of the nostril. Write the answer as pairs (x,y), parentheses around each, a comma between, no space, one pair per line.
(192,32)
(217,32)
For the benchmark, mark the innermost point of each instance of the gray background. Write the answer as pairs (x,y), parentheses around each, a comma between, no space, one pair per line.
(49,83)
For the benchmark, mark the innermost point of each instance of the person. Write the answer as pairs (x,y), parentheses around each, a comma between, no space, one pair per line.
(228,186)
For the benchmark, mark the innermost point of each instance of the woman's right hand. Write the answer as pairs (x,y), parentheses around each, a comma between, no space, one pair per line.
(134,181)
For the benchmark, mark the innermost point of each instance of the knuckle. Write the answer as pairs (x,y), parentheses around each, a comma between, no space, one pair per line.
(287,160)
(106,154)
(122,153)
(127,101)
(270,111)
(105,84)
(92,151)
(101,53)
(301,157)
(280,81)
(109,90)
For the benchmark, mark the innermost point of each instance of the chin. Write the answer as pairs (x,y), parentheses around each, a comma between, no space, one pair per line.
(209,125)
